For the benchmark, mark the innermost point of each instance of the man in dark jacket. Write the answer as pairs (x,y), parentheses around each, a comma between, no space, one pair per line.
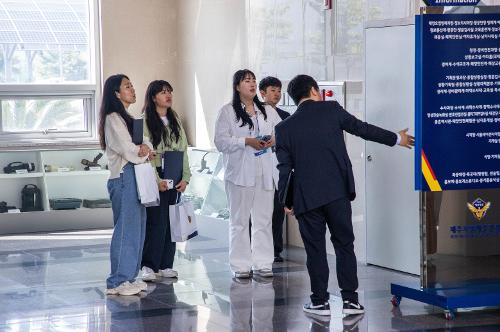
(311,142)
(270,91)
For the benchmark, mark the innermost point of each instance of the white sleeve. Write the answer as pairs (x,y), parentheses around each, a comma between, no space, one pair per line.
(223,140)
(398,140)
(145,140)
(274,117)
(119,140)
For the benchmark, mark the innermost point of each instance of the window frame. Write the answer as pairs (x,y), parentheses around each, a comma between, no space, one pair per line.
(89,92)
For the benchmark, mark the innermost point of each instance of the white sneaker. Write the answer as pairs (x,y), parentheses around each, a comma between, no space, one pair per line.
(266,273)
(125,288)
(140,284)
(168,273)
(147,274)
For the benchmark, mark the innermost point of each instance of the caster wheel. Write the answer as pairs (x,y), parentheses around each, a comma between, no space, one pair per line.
(396,300)
(449,315)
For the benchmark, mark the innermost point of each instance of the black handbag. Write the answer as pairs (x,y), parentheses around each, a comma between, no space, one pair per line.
(31,198)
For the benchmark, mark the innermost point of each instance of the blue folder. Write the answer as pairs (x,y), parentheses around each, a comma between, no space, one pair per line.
(137,131)
(172,165)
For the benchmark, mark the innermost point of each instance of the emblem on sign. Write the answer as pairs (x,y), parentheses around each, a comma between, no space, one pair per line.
(478,208)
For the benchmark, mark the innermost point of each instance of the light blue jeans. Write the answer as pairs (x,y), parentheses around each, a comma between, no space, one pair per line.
(129,217)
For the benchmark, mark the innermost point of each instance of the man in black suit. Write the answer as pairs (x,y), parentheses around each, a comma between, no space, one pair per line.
(270,90)
(311,142)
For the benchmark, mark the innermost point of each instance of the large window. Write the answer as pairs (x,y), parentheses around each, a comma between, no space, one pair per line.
(48,69)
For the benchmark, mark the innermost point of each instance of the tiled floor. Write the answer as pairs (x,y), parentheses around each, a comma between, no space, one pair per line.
(55,282)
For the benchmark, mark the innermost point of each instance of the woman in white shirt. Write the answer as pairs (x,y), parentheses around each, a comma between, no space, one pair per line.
(244,133)
(129,216)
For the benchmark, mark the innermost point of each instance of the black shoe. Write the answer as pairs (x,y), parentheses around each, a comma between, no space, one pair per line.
(278,259)
(321,309)
(323,322)
(352,308)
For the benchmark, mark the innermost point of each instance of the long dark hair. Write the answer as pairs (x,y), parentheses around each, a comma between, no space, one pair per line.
(238,77)
(155,125)
(111,104)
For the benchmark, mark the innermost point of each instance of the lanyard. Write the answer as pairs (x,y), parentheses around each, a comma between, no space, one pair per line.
(255,132)
(256,128)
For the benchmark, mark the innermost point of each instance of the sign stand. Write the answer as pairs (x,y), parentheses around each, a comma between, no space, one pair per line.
(457,160)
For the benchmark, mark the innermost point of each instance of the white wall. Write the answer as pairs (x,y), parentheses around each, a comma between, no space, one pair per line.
(139,39)
(212,47)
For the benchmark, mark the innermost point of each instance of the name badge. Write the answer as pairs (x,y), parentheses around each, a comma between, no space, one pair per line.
(261,152)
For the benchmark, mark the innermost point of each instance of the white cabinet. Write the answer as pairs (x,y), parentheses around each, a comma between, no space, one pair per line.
(58,174)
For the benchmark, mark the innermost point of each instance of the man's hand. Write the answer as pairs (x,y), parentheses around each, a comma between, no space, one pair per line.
(406,140)
(143,150)
(181,186)
(255,143)
(163,186)
(288,211)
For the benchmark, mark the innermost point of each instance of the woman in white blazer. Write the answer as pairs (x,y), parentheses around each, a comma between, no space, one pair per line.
(244,133)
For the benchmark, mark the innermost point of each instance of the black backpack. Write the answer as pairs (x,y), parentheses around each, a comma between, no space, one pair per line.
(31,198)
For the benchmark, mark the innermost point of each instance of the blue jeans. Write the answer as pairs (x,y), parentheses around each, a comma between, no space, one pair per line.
(129,217)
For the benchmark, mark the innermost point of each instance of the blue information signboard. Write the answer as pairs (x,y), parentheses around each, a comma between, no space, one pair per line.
(457,101)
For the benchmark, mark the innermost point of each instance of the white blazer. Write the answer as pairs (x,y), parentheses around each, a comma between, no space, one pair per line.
(239,159)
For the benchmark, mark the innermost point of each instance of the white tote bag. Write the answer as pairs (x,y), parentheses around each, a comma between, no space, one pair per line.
(147,187)
(182,221)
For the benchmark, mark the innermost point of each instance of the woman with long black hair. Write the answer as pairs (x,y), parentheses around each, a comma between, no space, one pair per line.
(129,215)
(244,133)
(164,129)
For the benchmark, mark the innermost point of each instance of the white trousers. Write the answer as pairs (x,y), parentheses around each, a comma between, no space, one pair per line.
(257,203)
(251,307)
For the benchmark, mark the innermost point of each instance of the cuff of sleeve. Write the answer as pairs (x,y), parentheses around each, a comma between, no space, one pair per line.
(241,142)
(398,139)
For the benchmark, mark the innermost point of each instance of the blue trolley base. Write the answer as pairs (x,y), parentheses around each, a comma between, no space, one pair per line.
(450,298)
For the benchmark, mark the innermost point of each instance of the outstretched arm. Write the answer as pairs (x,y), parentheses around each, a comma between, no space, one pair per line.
(370,132)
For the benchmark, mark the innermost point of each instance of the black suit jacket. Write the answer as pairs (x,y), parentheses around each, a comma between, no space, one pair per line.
(311,141)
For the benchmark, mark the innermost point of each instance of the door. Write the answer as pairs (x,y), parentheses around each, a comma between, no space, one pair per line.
(392,204)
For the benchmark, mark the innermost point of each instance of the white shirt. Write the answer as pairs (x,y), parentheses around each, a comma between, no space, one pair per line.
(240,163)
(164,120)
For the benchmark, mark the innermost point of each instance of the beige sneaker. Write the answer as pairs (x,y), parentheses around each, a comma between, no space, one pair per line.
(125,288)
(168,273)
(147,274)
(140,284)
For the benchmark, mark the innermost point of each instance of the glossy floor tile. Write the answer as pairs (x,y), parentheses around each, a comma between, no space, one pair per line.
(55,282)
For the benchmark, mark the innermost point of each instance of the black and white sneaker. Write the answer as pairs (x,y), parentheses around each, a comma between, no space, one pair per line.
(351,322)
(352,308)
(321,309)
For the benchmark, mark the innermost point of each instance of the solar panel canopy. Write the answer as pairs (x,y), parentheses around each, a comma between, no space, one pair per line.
(44,24)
